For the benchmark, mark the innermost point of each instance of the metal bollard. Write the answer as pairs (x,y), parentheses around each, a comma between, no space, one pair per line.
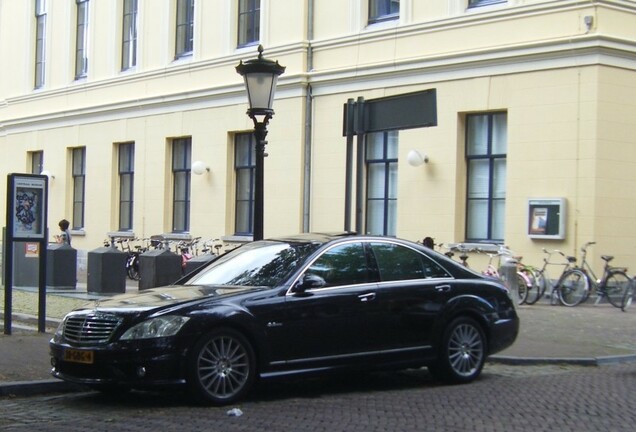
(508,274)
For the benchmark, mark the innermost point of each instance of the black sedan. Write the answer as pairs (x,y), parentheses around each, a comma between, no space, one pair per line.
(293,305)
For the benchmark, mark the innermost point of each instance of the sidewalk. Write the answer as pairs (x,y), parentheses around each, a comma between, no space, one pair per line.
(586,335)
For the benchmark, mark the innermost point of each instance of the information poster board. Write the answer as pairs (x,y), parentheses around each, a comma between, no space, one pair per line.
(26,219)
(27,201)
(546,218)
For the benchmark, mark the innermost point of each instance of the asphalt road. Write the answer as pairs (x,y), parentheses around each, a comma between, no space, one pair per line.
(505,398)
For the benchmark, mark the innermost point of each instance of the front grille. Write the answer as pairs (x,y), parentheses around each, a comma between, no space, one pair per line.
(91,329)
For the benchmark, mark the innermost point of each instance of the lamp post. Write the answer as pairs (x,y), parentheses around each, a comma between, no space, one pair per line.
(260,77)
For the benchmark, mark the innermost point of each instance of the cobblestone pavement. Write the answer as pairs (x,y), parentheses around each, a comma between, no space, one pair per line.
(505,398)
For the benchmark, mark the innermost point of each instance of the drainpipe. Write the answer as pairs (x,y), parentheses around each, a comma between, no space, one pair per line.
(308,120)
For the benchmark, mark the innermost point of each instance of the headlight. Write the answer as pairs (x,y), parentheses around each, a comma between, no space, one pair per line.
(60,328)
(59,331)
(156,327)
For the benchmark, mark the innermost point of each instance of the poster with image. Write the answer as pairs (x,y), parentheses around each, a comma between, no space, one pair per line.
(28,207)
(539,220)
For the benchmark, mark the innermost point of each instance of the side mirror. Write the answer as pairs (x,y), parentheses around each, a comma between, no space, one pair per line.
(309,281)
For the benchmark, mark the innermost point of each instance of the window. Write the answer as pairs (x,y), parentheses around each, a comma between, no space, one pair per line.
(40,42)
(129,35)
(486,147)
(383,10)
(79,182)
(342,265)
(37,162)
(181,159)
(244,169)
(126,184)
(185,28)
(381,163)
(397,262)
(255,264)
(81,39)
(249,16)
(477,3)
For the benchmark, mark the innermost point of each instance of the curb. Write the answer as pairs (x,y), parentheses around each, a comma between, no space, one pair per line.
(580,361)
(18,318)
(39,387)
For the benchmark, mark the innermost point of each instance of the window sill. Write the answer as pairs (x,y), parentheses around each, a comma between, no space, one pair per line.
(237,239)
(183,236)
(245,49)
(486,6)
(183,58)
(384,24)
(121,234)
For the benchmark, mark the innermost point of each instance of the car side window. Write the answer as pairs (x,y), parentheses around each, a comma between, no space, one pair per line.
(342,265)
(396,262)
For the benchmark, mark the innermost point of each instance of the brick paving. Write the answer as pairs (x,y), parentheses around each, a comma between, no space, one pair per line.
(506,398)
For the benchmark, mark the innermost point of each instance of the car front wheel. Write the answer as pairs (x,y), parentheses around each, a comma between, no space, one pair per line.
(221,367)
(462,353)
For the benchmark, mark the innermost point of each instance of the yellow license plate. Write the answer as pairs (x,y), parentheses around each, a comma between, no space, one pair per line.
(78,356)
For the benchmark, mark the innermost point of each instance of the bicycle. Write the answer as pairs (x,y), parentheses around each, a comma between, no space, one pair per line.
(577,283)
(525,275)
(463,257)
(543,280)
(188,250)
(213,247)
(132,260)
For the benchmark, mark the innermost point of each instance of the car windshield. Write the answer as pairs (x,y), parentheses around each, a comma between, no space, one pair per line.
(263,263)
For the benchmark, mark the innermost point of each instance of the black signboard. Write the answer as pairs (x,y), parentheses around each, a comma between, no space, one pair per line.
(27,202)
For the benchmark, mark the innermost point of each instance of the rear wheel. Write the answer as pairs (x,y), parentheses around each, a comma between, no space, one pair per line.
(221,368)
(628,296)
(615,286)
(573,287)
(462,353)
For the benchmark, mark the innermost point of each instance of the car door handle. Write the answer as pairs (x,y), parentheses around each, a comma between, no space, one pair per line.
(443,288)
(366,297)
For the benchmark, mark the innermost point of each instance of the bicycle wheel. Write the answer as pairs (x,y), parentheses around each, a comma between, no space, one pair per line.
(615,286)
(532,287)
(539,285)
(573,287)
(522,288)
(132,268)
(628,296)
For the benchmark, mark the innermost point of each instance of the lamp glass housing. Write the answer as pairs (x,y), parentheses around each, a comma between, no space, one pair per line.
(260,76)
(260,90)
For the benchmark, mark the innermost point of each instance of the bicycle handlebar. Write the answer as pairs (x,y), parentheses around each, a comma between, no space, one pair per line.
(586,245)
(550,253)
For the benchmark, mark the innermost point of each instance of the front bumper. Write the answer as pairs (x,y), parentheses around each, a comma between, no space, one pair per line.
(132,364)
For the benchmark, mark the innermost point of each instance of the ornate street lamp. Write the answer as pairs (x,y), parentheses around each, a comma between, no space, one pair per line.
(261,76)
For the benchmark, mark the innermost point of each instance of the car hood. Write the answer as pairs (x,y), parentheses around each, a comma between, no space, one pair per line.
(166,296)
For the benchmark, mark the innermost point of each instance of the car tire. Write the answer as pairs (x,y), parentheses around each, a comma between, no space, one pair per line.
(462,352)
(221,367)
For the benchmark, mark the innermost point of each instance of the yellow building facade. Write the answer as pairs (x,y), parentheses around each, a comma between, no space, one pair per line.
(118,100)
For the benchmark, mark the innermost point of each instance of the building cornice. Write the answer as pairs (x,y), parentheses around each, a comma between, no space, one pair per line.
(587,50)
(475,16)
